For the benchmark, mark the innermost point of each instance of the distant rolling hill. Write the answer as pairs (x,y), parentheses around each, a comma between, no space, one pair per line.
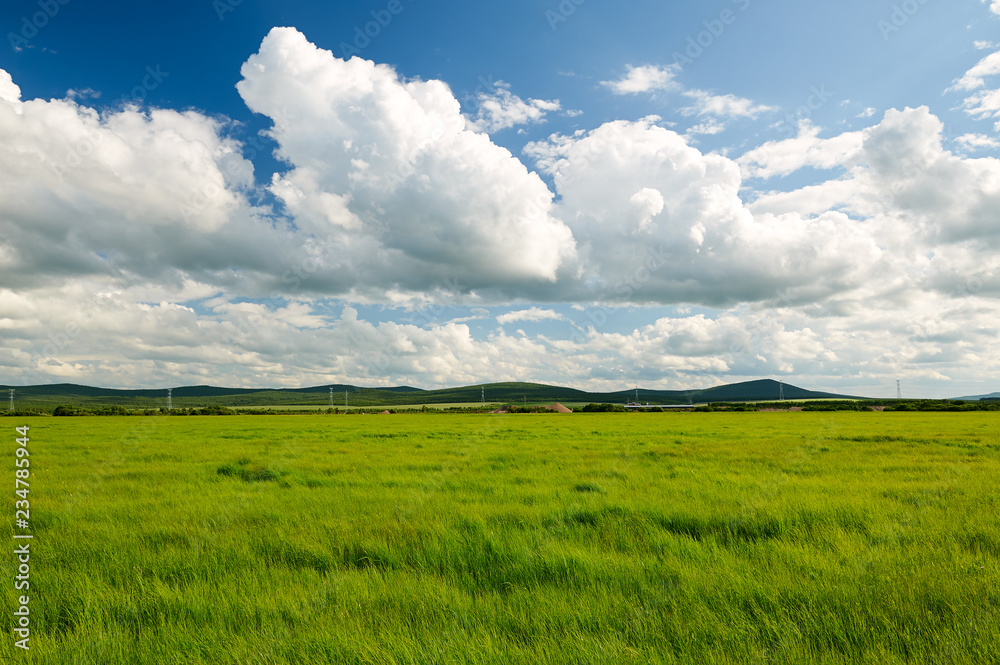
(49,396)
(976,398)
(761,391)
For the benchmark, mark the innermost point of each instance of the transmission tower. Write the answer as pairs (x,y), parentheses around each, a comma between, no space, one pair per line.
(899,391)
(331,398)
(781,391)
(170,399)
(483,395)
(11,400)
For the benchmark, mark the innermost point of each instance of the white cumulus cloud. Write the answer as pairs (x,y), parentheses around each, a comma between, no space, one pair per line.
(978,142)
(724,106)
(645,78)
(976,77)
(533,314)
(9,92)
(984,103)
(501,109)
(387,171)
(780,158)
(658,221)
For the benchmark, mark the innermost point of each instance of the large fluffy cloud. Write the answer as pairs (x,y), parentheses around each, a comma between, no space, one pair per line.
(389,196)
(387,171)
(387,190)
(902,179)
(157,194)
(658,221)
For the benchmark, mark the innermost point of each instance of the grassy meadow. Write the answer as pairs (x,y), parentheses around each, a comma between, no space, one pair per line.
(583,538)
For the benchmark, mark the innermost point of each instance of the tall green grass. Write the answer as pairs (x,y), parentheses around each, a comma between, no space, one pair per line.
(669,538)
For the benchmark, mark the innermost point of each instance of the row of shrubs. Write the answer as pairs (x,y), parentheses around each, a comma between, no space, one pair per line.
(214,410)
(833,405)
(72,410)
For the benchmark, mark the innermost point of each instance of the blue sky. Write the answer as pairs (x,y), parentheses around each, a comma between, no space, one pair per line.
(584,193)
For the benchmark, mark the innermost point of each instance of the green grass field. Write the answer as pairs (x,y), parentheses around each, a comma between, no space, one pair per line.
(603,538)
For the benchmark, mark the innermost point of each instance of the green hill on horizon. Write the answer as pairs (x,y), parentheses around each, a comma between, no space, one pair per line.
(976,398)
(49,396)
